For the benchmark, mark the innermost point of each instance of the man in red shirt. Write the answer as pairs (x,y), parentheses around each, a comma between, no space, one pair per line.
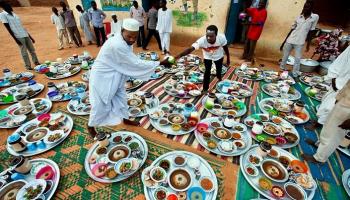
(258,18)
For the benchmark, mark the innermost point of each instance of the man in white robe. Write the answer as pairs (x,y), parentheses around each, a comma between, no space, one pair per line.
(85,24)
(165,26)
(338,75)
(116,26)
(114,64)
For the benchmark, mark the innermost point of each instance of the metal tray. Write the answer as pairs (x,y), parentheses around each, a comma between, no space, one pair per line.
(236,152)
(29,75)
(346,181)
(253,181)
(31,176)
(77,69)
(26,152)
(61,97)
(241,85)
(242,74)
(205,170)
(291,127)
(135,138)
(14,90)
(223,111)
(147,108)
(313,97)
(291,97)
(79,110)
(314,79)
(290,80)
(187,94)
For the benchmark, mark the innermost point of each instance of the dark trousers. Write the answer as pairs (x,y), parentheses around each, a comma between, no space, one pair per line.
(100,32)
(208,64)
(152,32)
(75,35)
(249,49)
(141,36)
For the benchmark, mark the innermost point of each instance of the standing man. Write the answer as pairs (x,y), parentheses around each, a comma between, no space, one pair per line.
(165,26)
(61,28)
(114,64)
(258,18)
(71,25)
(213,46)
(85,24)
(139,14)
(152,25)
(116,25)
(334,129)
(23,39)
(302,30)
(96,17)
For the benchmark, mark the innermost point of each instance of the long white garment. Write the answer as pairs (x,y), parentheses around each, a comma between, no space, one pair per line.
(165,41)
(85,26)
(340,70)
(114,64)
(165,21)
(116,28)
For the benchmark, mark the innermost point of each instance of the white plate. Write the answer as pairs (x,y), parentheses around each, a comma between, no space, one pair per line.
(15,90)
(224,111)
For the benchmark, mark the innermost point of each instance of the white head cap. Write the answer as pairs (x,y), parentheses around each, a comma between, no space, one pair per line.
(130,24)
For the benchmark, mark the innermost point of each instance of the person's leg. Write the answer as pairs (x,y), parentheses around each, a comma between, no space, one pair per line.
(24,53)
(97,34)
(287,48)
(66,37)
(71,34)
(298,53)
(31,50)
(148,38)
(70,39)
(246,49)
(167,42)
(103,34)
(60,39)
(161,35)
(156,35)
(142,32)
(77,34)
(331,135)
(139,43)
(252,45)
(218,65)
(206,80)
(184,3)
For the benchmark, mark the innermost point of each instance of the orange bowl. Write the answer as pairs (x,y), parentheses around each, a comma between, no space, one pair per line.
(298,166)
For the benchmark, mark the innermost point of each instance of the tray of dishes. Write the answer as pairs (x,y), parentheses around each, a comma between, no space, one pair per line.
(10,94)
(273,130)
(294,113)
(181,89)
(60,71)
(174,118)
(132,84)
(86,76)
(76,59)
(65,91)
(248,73)
(80,106)
(115,157)
(226,141)
(224,104)
(281,90)
(15,79)
(158,73)
(189,60)
(213,69)
(311,79)
(190,76)
(346,181)
(274,76)
(317,91)
(174,69)
(29,179)
(40,134)
(151,55)
(235,88)
(17,114)
(141,103)
(277,174)
(179,175)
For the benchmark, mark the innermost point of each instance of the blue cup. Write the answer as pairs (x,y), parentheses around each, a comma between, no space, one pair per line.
(17,176)
(32,147)
(41,144)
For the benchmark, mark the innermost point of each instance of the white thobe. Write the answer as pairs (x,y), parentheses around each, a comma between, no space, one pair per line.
(114,64)
(116,28)
(340,70)
(165,27)
(85,26)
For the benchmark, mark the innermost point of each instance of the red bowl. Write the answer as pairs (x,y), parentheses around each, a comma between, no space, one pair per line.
(46,173)
(202,127)
(44,117)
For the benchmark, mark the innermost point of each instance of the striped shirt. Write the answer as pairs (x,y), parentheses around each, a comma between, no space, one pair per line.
(14,23)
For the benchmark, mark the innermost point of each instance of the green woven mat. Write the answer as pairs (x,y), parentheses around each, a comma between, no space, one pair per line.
(76,184)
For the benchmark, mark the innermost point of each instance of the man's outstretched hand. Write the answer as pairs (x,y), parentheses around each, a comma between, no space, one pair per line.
(165,63)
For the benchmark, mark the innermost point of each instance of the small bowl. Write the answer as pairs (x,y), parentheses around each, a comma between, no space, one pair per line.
(222,134)
(185,174)
(197,191)
(296,187)
(206,184)
(240,144)
(119,155)
(180,160)
(202,127)
(236,135)
(158,170)
(134,111)
(176,127)
(226,146)
(255,159)
(46,173)
(251,170)
(163,121)
(298,166)
(160,191)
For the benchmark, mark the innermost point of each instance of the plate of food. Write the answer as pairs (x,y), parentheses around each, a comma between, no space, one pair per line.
(317,91)
(115,157)
(133,84)
(224,104)
(60,71)
(181,89)
(186,176)
(272,179)
(40,134)
(190,76)
(65,91)
(294,113)
(213,69)
(274,76)
(281,90)
(10,94)
(216,138)
(141,103)
(80,106)
(158,73)
(76,59)
(174,118)
(30,179)
(235,88)
(311,79)
(151,55)
(19,113)
(254,74)
(273,130)
(15,79)
(189,60)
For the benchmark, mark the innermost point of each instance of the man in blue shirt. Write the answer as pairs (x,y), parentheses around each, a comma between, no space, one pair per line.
(96,17)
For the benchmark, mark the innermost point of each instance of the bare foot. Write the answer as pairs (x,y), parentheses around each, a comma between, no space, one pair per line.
(132,123)
(92,131)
